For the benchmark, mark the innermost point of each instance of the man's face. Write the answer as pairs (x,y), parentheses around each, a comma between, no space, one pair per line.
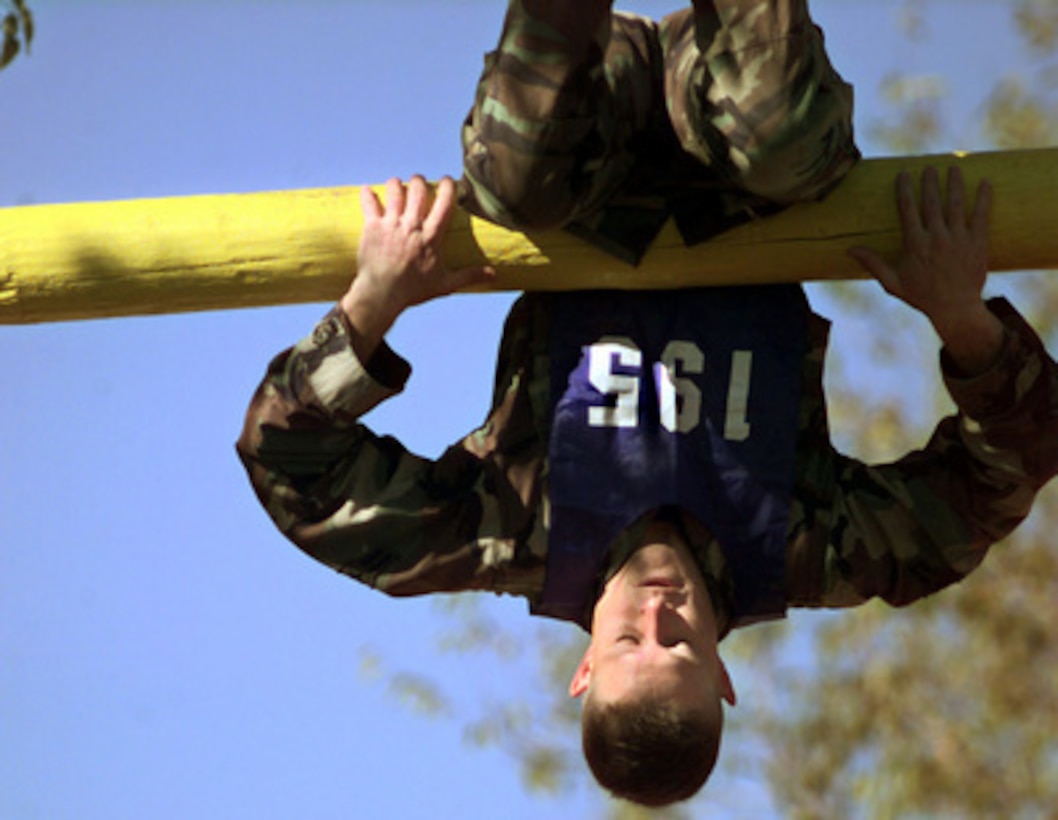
(653,630)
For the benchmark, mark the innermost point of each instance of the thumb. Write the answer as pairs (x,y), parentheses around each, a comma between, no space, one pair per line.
(877,267)
(468,277)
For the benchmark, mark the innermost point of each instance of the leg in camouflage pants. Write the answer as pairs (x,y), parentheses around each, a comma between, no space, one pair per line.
(568,103)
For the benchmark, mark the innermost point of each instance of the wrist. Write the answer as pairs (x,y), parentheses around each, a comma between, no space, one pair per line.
(369,314)
(972,339)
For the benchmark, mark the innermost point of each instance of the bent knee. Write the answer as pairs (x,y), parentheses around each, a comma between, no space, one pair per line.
(799,171)
(519,194)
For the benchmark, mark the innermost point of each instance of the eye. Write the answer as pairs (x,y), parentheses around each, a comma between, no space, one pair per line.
(632,639)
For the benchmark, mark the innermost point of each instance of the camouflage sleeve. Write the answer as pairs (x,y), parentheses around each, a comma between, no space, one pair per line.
(904,530)
(366,506)
(752,94)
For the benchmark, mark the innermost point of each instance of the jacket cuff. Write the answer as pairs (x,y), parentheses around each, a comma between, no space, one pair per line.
(386,366)
(999,389)
(337,378)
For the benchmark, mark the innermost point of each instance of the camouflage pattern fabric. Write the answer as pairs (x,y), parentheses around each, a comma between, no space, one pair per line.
(712,116)
(475,518)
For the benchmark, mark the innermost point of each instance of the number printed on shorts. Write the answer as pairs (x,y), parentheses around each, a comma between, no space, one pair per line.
(615,369)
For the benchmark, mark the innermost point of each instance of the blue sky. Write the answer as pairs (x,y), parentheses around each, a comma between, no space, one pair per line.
(163,652)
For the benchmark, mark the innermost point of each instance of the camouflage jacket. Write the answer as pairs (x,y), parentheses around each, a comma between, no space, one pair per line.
(476,517)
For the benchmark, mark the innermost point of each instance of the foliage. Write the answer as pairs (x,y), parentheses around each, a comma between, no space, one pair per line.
(18,31)
(945,709)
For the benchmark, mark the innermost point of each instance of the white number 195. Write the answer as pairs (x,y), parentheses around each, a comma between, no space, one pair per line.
(679,396)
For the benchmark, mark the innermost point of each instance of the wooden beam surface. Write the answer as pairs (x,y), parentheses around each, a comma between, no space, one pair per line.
(149,256)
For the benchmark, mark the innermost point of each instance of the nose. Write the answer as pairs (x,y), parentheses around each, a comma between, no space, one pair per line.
(662,624)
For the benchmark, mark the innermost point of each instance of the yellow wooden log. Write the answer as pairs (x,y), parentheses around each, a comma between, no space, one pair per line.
(89,260)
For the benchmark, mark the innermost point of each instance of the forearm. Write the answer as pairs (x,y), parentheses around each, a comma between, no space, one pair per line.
(973,340)
(903,530)
(363,504)
(303,418)
(1009,411)
(359,503)
(368,316)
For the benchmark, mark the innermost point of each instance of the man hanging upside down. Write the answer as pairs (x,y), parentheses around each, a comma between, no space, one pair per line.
(656,466)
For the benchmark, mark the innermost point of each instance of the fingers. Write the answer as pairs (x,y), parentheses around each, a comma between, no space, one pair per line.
(956,198)
(468,277)
(411,204)
(982,213)
(907,206)
(415,206)
(437,220)
(934,210)
(394,199)
(370,205)
(932,201)
(876,267)
(935,214)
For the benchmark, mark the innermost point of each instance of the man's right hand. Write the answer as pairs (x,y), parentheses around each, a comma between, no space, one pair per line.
(399,263)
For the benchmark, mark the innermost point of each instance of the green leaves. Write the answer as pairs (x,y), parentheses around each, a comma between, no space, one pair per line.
(947,708)
(18,31)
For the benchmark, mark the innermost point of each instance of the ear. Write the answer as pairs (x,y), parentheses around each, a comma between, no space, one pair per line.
(582,677)
(727,689)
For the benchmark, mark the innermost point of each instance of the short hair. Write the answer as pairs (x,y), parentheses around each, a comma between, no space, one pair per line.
(648,751)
